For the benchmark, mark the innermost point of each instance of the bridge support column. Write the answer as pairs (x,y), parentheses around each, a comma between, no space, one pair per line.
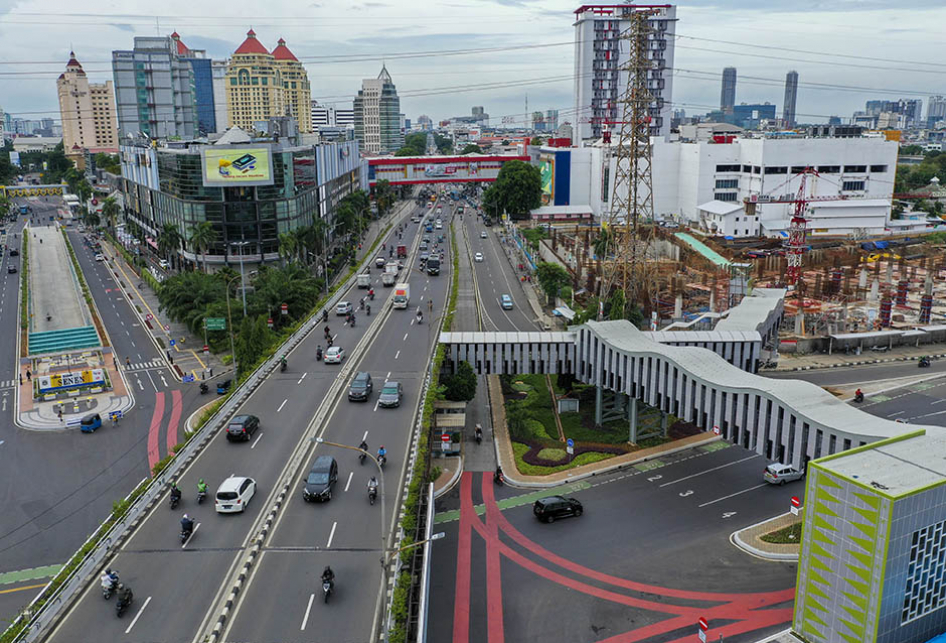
(664,423)
(599,405)
(632,416)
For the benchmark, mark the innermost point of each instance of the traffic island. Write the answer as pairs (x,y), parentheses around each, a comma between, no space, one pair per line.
(777,538)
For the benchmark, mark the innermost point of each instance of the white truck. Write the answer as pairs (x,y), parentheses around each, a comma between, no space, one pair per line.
(389,276)
(364,280)
(402,295)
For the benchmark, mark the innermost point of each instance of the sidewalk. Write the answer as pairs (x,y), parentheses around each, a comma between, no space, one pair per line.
(790,362)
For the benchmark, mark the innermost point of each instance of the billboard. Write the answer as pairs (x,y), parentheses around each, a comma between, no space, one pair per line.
(237,166)
(62,381)
(548,180)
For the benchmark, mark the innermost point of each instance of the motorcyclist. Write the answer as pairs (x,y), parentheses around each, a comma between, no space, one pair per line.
(318,352)
(324,315)
(125,595)
(498,476)
(353,319)
(328,332)
(109,579)
(201,486)
(373,485)
(283,360)
(367,309)
(479,433)
(328,576)
(382,453)
(858,395)
(371,293)
(175,492)
(187,525)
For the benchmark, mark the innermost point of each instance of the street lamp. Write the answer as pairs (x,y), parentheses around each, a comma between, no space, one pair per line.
(434,537)
(229,316)
(240,244)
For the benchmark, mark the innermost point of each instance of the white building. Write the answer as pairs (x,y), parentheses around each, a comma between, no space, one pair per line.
(693,182)
(599,54)
(218,69)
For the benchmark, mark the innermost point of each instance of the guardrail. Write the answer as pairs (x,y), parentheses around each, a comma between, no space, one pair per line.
(424,592)
(54,604)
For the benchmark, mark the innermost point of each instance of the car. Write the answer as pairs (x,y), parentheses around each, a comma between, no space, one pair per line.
(223,387)
(343,308)
(430,205)
(426,238)
(423,257)
(550,508)
(506,302)
(424,246)
(164,264)
(11,269)
(321,479)
(361,387)
(778,473)
(90,423)
(415,220)
(478,257)
(242,428)
(379,262)
(391,394)
(438,226)
(99,256)
(14,252)
(234,494)
(334,355)
(483,234)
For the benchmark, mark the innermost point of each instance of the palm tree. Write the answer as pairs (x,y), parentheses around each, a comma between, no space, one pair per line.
(110,211)
(84,191)
(91,218)
(72,178)
(288,246)
(202,237)
(169,239)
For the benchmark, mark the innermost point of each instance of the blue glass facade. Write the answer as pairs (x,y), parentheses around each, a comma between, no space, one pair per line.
(204,94)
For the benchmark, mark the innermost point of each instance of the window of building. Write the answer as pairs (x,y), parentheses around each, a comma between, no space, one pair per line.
(925,589)
(728,168)
(747,169)
(829,169)
(855,168)
(725,196)
(798,169)
(852,185)
(756,169)
(878,168)
(776,169)
(727,184)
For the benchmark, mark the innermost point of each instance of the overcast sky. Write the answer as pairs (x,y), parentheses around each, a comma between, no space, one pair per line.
(864,45)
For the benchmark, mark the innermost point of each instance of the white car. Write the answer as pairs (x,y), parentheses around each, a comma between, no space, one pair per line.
(343,308)
(164,263)
(233,494)
(778,473)
(482,234)
(99,257)
(478,257)
(334,355)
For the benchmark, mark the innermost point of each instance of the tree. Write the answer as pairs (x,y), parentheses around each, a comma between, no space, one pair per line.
(108,162)
(414,145)
(461,386)
(169,240)
(91,218)
(911,150)
(552,277)
(288,246)
(383,196)
(110,211)
(201,238)
(601,243)
(470,148)
(616,304)
(8,171)
(84,191)
(443,143)
(517,413)
(517,190)
(72,177)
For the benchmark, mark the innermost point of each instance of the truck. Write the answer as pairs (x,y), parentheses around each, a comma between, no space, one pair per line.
(433,265)
(364,280)
(402,252)
(390,274)
(402,295)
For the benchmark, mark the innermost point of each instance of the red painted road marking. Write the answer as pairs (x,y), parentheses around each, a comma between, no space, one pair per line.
(154,453)
(494,585)
(175,420)
(461,594)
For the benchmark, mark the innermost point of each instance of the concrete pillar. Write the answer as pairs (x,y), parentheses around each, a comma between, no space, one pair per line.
(678,307)
(599,403)
(712,301)
(799,322)
(664,423)
(874,291)
(632,416)
(889,272)
(862,279)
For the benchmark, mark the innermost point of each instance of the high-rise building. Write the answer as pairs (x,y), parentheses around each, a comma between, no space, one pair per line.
(263,85)
(935,110)
(727,97)
(791,95)
(295,80)
(87,111)
(3,125)
(551,119)
(202,68)
(479,114)
(218,72)
(424,122)
(345,118)
(154,90)
(599,55)
(377,114)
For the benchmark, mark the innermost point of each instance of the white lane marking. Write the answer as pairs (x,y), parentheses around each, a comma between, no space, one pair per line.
(164,380)
(331,535)
(301,378)
(191,537)
(758,486)
(376,404)
(388,376)
(135,345)
(140,385)
(148,373)
(405,335)
(282,405)
(364,438)
(722,466)
(348,484)
(305,619)
(412,323)
(895,414)
(938,402)
(135,620)
(259,434)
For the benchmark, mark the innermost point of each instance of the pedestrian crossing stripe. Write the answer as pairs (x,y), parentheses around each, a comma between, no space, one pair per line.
(7,383)
(138,366)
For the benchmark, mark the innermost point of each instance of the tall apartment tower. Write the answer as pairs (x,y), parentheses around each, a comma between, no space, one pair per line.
(377,114)
(202,68)
(218,72)
(154,90)
(935,110)
(727,97)
(791,95)
(599,56)
(254,85)
(87,111)
(295,80)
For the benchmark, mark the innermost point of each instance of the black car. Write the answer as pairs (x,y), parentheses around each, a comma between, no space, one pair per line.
(361,387)
(14,252)
(552,507)
(242,427)
(11,269)
(321,479)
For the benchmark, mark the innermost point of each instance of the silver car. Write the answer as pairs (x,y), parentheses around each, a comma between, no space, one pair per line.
(778,473)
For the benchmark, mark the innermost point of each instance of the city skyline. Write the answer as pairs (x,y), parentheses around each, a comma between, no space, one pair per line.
(336,66)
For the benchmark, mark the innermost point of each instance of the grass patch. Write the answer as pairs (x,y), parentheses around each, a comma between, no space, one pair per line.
(790,535)
(533,470)
(553,454)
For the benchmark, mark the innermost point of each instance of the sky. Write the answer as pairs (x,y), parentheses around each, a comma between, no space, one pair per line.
(501,54)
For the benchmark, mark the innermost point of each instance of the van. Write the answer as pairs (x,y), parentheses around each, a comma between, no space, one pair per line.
(242,427)
(90,423)
(321,479)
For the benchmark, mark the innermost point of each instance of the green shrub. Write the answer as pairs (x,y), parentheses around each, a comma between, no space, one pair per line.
(553,454)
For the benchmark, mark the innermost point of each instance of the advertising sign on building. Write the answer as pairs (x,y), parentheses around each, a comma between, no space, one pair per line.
(236,166)
(62,381)
(15,158)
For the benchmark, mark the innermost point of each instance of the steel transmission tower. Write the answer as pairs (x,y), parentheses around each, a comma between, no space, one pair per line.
(630,221)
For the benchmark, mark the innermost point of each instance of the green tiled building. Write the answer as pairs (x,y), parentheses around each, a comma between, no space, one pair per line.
(873,558)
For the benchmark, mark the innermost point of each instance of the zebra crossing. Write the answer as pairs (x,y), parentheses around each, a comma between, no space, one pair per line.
(144,366)
(8,383)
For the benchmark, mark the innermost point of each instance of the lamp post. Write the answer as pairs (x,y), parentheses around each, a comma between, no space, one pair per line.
(230,316)
(241,244)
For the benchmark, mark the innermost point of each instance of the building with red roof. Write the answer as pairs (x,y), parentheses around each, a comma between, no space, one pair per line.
(87,111)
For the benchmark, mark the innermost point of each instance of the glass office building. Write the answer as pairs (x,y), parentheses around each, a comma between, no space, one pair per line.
(204,94)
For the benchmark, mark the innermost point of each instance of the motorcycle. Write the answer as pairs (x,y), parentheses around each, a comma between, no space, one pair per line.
(282,366)
(381,460)
(318,354)
(185,534)
(420,319)
(109,586)
(120,607)
(200,496)
(368,309)
(203,388)
(327,588)
(858,398)
(924,363)
(324,315)
(361,457)
(173,501)
(499,478)
(372,494)
(479,434)
(371,295)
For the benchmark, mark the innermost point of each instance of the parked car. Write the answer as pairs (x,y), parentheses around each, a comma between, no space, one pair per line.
(552,507)
(343,308)
(391,394)
(361,387)
(164,264)
(778,473)
(234,494)
(242,428)
(334,355)
(321,479)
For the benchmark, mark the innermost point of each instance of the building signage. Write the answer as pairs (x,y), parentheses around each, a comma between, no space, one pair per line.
(62,381)
(237,166)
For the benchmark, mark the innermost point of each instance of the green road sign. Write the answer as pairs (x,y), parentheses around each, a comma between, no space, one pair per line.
(215,323)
